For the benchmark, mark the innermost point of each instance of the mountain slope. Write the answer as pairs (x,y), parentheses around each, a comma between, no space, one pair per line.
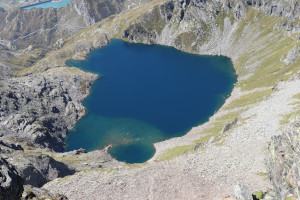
(263,41)
(261,38)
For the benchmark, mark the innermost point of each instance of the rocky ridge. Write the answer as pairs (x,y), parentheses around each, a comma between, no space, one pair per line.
(43,27)
(28,35)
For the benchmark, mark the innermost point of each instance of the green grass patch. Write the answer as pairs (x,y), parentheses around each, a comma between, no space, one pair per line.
(287,117)
(174,152)
(262,174)
(297,96)
(291,198)
(229,117)
(69,160)
(259,194)
(204,138)
(249,99)
(215,128)
(269,70)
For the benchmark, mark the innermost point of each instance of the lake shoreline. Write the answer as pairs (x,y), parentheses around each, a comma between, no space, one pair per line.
(35,4)
(48,4)
(191,59)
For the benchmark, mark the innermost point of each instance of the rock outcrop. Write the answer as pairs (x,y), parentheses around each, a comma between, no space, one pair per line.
(241,192)
(283,162)
(94,11)
(39,110)
(176,24)
(11,184)
(36,170)
(284,8)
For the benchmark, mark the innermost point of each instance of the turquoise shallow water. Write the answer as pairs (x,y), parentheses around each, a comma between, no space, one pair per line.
(147,94)
(60,4)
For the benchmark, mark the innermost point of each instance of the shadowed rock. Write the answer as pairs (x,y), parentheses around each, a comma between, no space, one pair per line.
(11,184)
(37,170)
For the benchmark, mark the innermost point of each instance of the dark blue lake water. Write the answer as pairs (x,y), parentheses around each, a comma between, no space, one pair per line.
(147,94)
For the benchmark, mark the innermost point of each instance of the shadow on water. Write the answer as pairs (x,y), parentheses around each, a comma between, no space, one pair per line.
(147,94)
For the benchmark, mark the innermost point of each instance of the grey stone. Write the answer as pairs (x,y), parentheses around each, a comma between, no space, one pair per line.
(11,184)
(40,110)
(283,162)
(37,170)
(241,192)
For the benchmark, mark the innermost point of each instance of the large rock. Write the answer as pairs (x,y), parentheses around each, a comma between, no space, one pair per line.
(286,8)
(11,184)
(242,192)
(37,170)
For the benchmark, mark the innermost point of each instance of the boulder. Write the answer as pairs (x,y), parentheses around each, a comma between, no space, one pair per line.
(241,192)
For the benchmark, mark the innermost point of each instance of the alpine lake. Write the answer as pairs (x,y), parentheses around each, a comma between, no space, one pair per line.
(146,94)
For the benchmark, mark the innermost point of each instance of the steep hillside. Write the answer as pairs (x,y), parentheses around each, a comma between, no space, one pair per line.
(43,27)
(28,35)
(263,40)
(8,4)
